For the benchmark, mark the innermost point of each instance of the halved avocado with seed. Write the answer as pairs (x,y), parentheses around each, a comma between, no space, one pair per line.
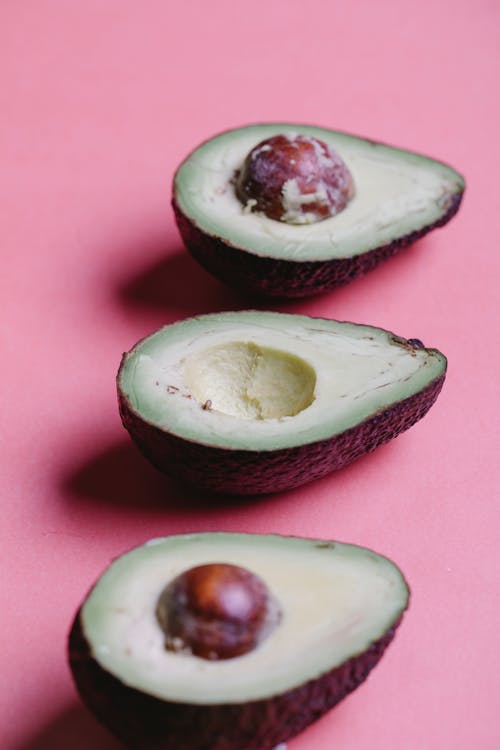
(256,402)
(152,648)
(287,210)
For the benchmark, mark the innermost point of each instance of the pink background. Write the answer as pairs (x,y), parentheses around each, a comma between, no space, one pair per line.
(99,102)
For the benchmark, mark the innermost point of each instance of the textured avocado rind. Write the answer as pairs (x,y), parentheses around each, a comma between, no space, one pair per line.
(241,472)
(281,279)
(144,722)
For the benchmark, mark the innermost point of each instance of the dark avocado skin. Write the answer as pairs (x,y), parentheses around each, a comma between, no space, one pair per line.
(281,279)
(245,472)
(143,722)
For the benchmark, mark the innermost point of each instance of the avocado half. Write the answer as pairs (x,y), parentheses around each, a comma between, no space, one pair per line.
(256,402)
(340,606)
(399,197)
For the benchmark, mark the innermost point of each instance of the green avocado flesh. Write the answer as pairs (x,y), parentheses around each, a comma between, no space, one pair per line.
(336,600)
(264,381)
(397,194)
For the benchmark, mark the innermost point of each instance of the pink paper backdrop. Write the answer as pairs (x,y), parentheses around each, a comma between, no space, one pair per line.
(99,101)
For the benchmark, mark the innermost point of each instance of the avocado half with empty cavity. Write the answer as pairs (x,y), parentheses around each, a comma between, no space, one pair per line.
(326,611)
(286,210)
(256,402)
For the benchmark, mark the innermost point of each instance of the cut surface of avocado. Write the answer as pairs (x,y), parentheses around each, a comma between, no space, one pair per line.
(245,380)
(398,194)
(264,381)
(336,600)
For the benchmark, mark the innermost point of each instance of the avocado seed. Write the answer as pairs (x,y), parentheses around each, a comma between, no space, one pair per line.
(294,178)
(216,611)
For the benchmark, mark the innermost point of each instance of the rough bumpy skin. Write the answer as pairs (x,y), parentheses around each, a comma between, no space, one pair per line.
(272,277)
(143,722)
(243,472)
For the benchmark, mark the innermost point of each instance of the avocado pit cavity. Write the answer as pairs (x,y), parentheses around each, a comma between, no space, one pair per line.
(216,611)
(294,178)
(249,381)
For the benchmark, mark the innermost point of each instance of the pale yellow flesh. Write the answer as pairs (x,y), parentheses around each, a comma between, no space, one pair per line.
(263,381)
(335,601)
(250,381)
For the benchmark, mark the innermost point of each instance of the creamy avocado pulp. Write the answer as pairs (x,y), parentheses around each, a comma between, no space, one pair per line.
(335,599)
(246,380)
(397,193)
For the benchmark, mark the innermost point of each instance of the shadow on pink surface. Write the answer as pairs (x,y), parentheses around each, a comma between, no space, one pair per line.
(118,475)
(157,275)
(73,729)
(173,279)
(176,282)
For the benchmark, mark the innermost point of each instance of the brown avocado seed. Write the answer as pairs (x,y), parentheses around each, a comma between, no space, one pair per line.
(294,178)
(216,611)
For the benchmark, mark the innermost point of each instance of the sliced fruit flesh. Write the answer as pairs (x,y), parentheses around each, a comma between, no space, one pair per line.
(397,193)
(333,376)
(335,600)
(245,380)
